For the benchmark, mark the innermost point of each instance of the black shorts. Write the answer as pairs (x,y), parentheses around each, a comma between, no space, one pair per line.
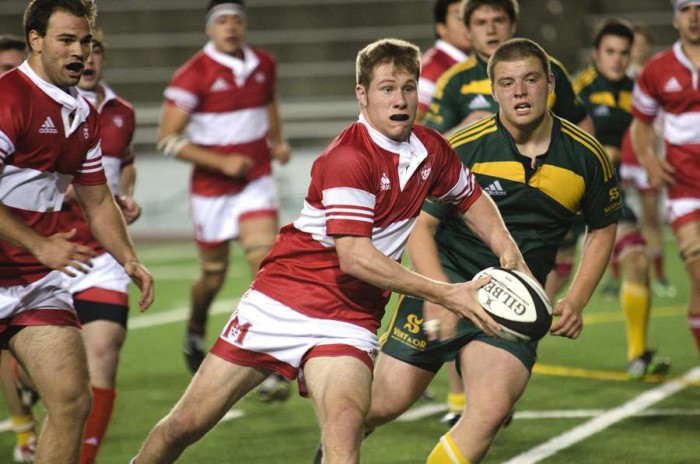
(89,311)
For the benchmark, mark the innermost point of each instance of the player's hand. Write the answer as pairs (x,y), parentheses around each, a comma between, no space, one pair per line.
(130,209)
(143,280)
(512,259)
(58,252)
(461,299)
(570,319)
(281,152)
(613,154)
(235,165)
(659,171)
(438,322)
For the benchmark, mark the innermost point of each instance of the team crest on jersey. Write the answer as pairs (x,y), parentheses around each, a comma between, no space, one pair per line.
(48,127)
(385,183)
(86,133)
(425,172)
(118,121)
(614,194)
(259,77)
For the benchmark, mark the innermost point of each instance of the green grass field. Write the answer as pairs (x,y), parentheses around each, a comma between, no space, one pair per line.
(578,408)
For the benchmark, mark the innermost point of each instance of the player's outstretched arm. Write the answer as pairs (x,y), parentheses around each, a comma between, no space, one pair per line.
(360,259)
(597,248)
(279,148)
(108,226)
(485,220)
(172,142)
(56,251)
(644,143)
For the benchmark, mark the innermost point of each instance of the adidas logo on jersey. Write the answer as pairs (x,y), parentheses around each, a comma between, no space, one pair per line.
(672,85)
(48,127)
(601,110)
(495,189)
(480,102)
(385,182)
(219,85)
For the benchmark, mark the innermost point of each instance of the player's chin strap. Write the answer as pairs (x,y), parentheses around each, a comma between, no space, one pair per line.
(690,253)
(224,9)
(172,144)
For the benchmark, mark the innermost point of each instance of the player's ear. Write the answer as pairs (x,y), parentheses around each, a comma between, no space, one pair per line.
(361,94)
(550,84)
(35,41)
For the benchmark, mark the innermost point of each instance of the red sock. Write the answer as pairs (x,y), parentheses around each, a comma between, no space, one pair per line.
(615,269)
(658,259)
(694,324)
(97,422)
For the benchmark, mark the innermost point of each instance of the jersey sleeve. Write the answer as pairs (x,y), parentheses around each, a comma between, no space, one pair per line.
(602,201)
(345,183)
(444,112)
(456,185)
(184,89)
(567,104)
(10,122)
(645,102)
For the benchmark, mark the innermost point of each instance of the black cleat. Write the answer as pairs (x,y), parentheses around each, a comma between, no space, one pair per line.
(648,364)
(194,351)
(318,455)
(274,388)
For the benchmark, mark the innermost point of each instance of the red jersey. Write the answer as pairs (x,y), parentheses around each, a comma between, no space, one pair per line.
(49,138)
(227,98)
(364,185)
(434,62)
(669,82)
(117,125)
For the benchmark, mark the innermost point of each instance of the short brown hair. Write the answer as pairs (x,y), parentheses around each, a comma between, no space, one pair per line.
(401,53)
(612,26)
(511,7)
(12,42)
(516,50)
(38,13)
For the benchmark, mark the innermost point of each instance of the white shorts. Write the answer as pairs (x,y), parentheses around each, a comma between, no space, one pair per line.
(106,273)
(682,211)
(44,302)
(216,219)
(636,176)
(264,333)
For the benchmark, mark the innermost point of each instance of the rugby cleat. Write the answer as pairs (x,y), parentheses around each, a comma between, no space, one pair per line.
(194,350)
(663,288)
(274,388)
(648,364)
(451,418)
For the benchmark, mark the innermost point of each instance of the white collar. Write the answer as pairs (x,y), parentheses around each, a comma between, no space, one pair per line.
(242,68)
(70,100)
(411,153)
(453,52)
(91,95)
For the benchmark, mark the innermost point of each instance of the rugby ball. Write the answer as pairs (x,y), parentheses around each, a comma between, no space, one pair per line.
(517,302)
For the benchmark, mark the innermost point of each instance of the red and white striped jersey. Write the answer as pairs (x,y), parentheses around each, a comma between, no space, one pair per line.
(364,185)
(117,125)
(227,99)
(435,61)
(669,82)
(49,137)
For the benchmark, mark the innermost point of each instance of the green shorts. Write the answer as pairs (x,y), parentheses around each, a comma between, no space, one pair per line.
(404,340)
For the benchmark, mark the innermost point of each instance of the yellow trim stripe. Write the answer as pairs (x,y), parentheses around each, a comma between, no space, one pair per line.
(592,144)
(473,131)
(509,170)
(482,87)
(447,75)
(385,336)
(583,79)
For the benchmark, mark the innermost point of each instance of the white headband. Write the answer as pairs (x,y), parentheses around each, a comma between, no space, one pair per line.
(225,9)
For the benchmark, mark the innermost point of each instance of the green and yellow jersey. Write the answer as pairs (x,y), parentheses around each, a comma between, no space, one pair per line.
(538,199)
(465,88)
(608,103)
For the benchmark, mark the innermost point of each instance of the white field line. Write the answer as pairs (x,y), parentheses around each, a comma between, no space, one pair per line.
(609,418)
(145,321)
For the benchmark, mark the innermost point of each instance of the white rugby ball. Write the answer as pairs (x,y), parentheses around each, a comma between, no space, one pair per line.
(517,302)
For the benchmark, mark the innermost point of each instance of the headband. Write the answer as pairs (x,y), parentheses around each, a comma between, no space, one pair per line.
(225,9)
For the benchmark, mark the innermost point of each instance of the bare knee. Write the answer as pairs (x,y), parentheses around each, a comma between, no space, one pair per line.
(182,428)
(212,278)
(636,266)
(68,403)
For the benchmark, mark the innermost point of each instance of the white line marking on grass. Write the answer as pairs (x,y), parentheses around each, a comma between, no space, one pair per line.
(177,315)
(421,412)
(231,415)
(5,426)
(583,431)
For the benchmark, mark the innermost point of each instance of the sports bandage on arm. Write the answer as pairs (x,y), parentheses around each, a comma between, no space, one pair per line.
(172,144)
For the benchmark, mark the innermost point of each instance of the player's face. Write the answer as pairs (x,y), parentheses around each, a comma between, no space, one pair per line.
(612,57)
(687,21)
(454,31)
(92,75)
(227,31)
(63,51)
(521,89)
(9,60)
(391,101)
(488,28)
(641,49)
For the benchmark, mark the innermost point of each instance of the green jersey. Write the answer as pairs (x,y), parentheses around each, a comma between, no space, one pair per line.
(608,103)
(465,88)
(538,199)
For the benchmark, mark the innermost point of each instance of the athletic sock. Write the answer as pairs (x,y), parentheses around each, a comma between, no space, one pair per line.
(635,303)
(694,324)
(446,452)
(23,426)
(97,422)
(456,402)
